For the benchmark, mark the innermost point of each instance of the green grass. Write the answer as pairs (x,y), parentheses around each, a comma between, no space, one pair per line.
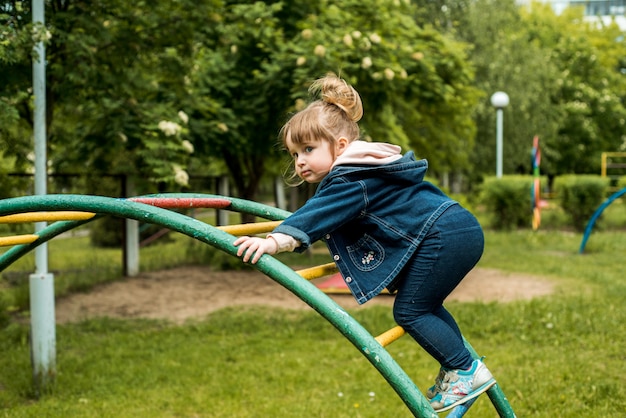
(560,355)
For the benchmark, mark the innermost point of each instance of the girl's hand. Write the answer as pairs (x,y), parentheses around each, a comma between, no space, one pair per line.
(254,245)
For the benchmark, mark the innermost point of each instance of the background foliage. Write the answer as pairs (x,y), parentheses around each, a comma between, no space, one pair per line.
(158,90)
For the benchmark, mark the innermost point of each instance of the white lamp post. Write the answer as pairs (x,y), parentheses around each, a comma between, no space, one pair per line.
(499,100)
(41,283)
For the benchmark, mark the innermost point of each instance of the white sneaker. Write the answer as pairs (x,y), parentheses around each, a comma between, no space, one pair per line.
(459,386)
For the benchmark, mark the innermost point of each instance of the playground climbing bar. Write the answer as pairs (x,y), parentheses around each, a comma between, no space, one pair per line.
(74,210)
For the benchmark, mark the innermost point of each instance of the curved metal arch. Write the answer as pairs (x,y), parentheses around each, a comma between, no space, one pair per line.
(352,330)
(595,217)
(57,228)
(45,235)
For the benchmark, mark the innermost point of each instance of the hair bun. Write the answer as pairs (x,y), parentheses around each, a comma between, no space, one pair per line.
(338,92)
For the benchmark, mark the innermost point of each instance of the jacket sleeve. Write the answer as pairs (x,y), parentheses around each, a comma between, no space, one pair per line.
(334,204)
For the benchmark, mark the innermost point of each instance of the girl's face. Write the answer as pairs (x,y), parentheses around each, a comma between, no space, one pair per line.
(313,160)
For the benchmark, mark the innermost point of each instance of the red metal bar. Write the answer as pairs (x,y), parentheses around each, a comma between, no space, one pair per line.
(183,202)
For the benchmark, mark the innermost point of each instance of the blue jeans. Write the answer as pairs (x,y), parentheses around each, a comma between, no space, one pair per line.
(451,249)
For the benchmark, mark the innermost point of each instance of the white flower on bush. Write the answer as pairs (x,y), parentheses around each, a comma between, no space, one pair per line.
(222,127)
(169,128)
(180,176)
(41,34)
(366,63)
(389,74)
(183,117)
(300,104)
(347,39)
(301,61)
(356,34)
(319,50)
(366,44)
(307,33)
(188,146)
(375,38)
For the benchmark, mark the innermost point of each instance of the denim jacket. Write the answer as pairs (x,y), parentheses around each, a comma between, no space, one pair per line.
(372,217)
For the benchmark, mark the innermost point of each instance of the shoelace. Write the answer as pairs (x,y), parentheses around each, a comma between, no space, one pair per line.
(445,378)
(438,382)
(449,378)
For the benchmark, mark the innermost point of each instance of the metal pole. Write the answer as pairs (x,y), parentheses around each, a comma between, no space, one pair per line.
(222,190)
(43,333)
(131,236)
(499,123)
(499,100)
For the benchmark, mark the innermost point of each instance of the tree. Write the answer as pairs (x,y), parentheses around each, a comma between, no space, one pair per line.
(589,93)
(415,83)
(237,93)
(563,76)
(123,78)
(505,60)
(16,45)
(115,78)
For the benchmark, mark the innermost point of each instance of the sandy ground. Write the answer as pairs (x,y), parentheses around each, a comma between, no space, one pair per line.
(193,292)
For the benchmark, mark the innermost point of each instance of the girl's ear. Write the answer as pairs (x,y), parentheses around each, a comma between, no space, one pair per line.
(341,145)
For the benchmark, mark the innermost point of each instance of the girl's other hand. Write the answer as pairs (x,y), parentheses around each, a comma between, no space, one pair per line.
(254,245)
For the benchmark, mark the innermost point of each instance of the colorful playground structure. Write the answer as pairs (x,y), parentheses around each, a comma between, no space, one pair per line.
(66,212)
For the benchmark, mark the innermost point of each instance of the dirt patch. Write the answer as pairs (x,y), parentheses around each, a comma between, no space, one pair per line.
(193,292)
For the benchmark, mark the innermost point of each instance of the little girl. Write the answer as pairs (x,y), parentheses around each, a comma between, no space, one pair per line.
(385,228)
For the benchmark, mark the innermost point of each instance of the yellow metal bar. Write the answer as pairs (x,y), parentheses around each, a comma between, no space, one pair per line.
(17,240)
(605,161)
(46,217)
(251,228)
(390,336)
(318,271)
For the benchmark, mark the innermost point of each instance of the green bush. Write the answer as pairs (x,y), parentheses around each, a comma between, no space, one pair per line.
(580,196)
(508,200)
(107,232)
(4,310)
(197,252)
(621,182)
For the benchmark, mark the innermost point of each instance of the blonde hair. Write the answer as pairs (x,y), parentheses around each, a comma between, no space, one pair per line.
(333,115)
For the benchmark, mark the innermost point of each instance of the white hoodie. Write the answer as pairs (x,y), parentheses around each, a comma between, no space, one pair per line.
(369,153)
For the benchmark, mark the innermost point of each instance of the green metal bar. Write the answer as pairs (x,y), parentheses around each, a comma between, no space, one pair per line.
(57,228)
(326,307)
(495,393)
(365,343)
(45,235)
(353,331)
